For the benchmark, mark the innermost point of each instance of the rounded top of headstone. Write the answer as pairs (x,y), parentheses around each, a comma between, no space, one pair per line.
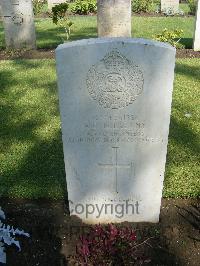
(122,40)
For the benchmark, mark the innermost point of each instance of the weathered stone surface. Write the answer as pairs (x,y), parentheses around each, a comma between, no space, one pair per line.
(115,101)
(170,5)
(52,3)
(197,29)
(18,20)
(114,18)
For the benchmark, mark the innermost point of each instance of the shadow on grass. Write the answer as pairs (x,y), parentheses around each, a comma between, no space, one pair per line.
(51,38)
(182,134)
(39,169)
(85,33)
(192,71)
(187,42)
(5,78)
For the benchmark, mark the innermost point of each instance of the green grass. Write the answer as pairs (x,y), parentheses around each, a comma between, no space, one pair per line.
(185,8)
(31,158)
(49,35)
(183,160)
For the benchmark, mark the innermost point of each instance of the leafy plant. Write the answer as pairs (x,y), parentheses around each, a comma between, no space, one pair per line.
(109,244)
(7,237)
(171,12)
(139,6)
(59,12)
(192,6)
(59,17)
(84,7)
(38,6)
(66,24)
(172,37)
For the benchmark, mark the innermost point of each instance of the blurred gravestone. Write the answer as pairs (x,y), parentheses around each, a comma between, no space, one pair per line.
(196,44)
(18,21)
(170,6)
(114,18)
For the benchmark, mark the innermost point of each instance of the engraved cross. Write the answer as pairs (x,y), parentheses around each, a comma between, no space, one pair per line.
(116,166)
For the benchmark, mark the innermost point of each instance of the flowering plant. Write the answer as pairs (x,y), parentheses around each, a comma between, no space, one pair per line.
(105,245)
(7,237)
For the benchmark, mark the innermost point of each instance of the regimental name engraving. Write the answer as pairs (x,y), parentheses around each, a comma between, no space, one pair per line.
(113,128)
(115,82)
(17,18)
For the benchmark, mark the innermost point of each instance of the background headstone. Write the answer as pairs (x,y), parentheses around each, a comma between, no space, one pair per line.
(18,20)
(115,101)
(114,18)
(167,5)
(52,3)
(196,43)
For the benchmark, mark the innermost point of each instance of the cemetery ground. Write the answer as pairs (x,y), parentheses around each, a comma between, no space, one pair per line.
(32,188)
(49,35)
(33,178)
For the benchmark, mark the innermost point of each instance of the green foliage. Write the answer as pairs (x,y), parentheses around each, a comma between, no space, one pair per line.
(84,7)
(170,36)
(66,24)
(142,6)
(86,27)
(59,12)
(110,245)
(38,6)
(59,17)
(192,6)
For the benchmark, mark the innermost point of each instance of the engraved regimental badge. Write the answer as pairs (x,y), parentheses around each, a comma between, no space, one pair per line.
(115,81)
(17,18)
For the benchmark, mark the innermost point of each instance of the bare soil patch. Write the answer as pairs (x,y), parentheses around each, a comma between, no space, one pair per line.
(50,54)
(175,240)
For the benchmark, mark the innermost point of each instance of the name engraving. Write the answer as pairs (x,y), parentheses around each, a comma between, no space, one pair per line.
(113,129)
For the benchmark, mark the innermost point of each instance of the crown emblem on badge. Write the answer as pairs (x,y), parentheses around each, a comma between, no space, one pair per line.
(115,81)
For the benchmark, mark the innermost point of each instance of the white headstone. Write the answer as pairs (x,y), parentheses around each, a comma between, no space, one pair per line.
(115,101)
(52,3)
(0,11)
(196,44)
(167,5)
(18,20)
(114,18)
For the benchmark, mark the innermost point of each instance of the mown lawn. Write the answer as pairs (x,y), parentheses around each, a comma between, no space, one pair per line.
(49,35)
(31,155)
